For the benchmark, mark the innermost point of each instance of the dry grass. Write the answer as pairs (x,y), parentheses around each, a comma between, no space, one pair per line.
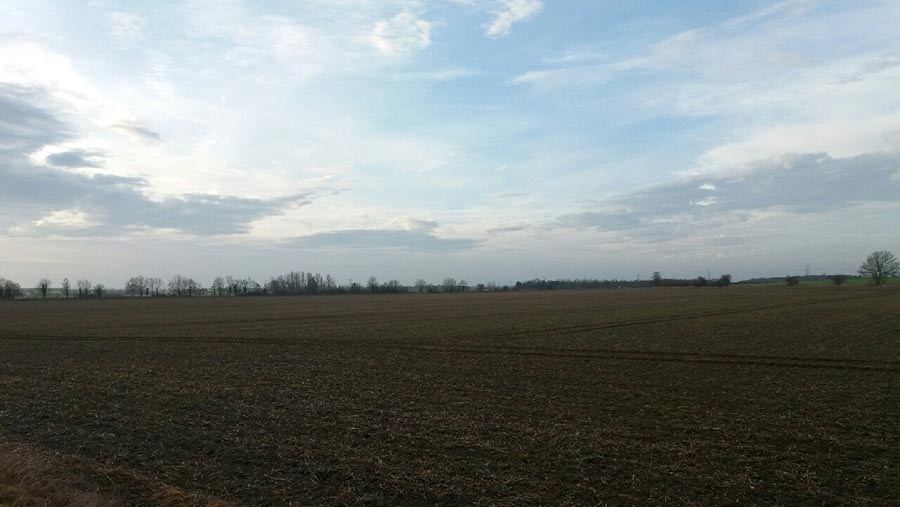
(29,478)
(32,478)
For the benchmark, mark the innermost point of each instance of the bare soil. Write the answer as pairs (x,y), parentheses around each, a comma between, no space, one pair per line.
(744,395)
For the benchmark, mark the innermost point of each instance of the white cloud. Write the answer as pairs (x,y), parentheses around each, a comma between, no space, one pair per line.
(774,78)
(25,61)
(448,74)
(69,218)
(126,27)
(509,13)
(709,201)
(876,65)
(411,224)
(401,35)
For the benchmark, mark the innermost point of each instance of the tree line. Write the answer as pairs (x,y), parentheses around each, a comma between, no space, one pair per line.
(700,281)
(878,268)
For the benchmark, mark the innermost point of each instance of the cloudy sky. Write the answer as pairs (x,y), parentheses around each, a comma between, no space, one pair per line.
(481,139)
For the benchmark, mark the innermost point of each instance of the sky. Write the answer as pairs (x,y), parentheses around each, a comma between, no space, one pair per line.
(488,140)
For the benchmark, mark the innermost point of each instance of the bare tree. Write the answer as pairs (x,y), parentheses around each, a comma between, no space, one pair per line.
(218,286)
(449,284)
(880,266)
(136,286)
(391,287)
(44,286)
(184,286)
(154,284)
(9,289)
(84,288)
(98,290)
(838,279)
(792,280)
(130,286)
(313,282)
(66,287)
(421,285)
(372,284)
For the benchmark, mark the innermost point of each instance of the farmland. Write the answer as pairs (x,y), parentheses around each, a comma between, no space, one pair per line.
(762,395)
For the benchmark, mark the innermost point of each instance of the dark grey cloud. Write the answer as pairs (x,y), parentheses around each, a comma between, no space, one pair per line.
(75,159)
(419,240)
(25,128)
(810,183)
(29,192)
(507,228)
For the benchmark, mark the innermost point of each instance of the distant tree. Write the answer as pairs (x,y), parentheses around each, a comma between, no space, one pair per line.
(231,284)
(154,285)
(183,286)
(421,285)
(391,287)
(194,288)
(66,287)
(372,284)
(463,286)
(792,280)
(9,289)
(84,288)
(176,285)
(480,287)
(880,266)
(98,290)
(724,281)
(449,284)
(657,279)
(218,286)
(313,282)
(136,286)
(701,281)
(44,286)
(838,279)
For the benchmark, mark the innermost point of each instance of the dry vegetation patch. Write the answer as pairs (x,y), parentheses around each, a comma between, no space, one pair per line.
(29,478)
(33,478)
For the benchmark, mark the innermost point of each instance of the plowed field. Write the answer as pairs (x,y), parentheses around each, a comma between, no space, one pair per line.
(750,395)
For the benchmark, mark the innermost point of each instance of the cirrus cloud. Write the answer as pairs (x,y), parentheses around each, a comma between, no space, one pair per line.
(401,35)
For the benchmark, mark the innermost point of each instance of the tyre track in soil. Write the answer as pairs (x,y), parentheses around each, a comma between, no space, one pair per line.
(581,328)
(575,328)
(328,320)
(575,353)
(669,357)
(592,354)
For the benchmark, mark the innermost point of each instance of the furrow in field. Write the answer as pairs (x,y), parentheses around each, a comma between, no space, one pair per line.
(665,357)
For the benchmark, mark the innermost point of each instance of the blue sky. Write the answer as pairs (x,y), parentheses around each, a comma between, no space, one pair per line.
(481,139)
